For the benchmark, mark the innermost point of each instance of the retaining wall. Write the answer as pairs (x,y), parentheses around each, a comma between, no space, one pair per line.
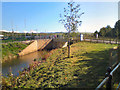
(35,46)
(42,44)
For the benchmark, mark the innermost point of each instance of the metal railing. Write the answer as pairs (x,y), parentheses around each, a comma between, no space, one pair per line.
(102,41)
(110,71)
(118,87)
(108,79)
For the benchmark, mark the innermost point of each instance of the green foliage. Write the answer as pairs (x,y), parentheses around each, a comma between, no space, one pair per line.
(110,32)
(106,31)
(12,49)
(117,29)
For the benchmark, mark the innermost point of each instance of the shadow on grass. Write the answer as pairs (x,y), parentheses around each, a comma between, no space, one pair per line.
(98,63)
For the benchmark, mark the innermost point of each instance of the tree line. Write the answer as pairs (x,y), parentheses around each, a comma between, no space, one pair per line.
(109,32)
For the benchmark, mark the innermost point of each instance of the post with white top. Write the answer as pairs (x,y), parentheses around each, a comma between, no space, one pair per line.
(81,37)
(97,37)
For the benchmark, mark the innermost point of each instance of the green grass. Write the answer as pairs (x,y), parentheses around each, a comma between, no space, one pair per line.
(85,69)
(15,39)
(10,50)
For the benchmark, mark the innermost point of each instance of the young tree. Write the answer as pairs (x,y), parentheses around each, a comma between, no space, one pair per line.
(71,20)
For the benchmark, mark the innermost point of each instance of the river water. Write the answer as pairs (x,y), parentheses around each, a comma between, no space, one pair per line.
(18,64)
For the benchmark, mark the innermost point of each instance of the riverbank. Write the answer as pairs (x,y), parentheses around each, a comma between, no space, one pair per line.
(11,50)
(85,69)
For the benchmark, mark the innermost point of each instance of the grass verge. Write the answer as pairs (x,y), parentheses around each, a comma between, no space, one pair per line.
(11,50)
(85,69)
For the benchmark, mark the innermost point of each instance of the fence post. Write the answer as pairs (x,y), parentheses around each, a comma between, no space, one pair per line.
(109,82)
(97,40)
(110,41)
(116,41)
(90,39)
(118,53)
(110,57)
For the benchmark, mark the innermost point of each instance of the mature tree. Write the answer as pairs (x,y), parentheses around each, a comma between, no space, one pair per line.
(106,31)
(102,31)
(71,20)
(117,29)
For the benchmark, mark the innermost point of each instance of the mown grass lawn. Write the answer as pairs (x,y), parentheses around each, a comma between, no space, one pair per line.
(85,69)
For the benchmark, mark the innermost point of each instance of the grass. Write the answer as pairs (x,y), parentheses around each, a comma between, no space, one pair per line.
(11,50)
(85,69)
(15,39)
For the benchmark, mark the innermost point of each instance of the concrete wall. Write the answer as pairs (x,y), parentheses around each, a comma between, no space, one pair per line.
(42,44)
(55,43)
(35,46)
(31,48)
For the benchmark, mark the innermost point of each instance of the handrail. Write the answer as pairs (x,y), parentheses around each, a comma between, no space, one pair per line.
(107,78)
(118,87)
(111,73)
(102,83)
(102,41)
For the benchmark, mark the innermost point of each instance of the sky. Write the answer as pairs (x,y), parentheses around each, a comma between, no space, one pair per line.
(45,16)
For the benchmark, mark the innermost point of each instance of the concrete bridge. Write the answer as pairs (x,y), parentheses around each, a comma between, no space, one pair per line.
(41,44)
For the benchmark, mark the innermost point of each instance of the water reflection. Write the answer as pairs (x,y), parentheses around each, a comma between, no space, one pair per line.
(19,63)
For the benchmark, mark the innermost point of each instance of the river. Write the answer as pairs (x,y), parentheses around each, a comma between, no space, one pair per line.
(18,64)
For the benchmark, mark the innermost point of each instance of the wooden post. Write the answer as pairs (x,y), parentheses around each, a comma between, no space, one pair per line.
(116,41)
(110,41)
(69,44)
(69,49)
(103,40)
(118,53)
(109,82)
(90,38)
(110,57)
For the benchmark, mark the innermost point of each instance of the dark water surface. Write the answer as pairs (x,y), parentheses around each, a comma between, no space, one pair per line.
(18,64)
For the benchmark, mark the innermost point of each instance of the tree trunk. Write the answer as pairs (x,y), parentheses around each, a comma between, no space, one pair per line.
(69,48)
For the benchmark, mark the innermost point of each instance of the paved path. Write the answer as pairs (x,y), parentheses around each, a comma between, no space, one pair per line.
(101,41)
